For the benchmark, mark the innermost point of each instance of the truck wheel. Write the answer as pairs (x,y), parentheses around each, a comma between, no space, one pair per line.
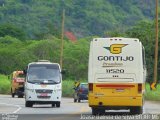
(13,94)
(58,104)
(28,104)
(79,100)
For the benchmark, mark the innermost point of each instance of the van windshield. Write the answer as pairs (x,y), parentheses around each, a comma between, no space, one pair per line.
(44,74)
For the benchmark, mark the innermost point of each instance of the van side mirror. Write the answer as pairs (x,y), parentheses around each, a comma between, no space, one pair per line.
(63,71)
(24,72)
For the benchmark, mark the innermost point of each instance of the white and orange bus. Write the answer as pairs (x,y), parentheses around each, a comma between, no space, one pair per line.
(116,75)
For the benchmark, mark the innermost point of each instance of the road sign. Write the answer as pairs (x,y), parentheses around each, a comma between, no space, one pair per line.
(153,86)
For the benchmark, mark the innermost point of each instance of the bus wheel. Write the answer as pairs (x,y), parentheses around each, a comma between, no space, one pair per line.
(94,111)
(98,111)
(136,110)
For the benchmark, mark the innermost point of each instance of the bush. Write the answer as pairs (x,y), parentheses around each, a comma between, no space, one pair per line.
(67,88)
(152,95)
(4,85)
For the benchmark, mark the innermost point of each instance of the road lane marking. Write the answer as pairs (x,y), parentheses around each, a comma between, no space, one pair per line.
(84,109)
(19,107)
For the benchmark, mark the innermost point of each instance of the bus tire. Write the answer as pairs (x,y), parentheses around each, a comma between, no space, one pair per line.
(136,110)
(95,111)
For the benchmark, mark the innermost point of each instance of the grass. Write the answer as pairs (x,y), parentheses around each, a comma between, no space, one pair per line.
(67,89)
(152,95)
(4,84)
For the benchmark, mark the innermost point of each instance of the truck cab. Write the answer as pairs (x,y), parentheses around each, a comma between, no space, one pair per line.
(17,84)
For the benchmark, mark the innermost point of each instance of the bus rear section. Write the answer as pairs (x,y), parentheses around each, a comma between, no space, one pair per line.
(116,75)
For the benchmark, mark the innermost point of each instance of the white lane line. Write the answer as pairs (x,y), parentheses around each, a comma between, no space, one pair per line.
(19,107)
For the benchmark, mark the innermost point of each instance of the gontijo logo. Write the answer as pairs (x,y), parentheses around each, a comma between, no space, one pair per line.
(115,48)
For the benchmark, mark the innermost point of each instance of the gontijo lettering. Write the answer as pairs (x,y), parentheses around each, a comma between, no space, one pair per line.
(115,58)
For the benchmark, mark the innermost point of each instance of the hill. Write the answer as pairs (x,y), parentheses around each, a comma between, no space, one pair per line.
(39,18)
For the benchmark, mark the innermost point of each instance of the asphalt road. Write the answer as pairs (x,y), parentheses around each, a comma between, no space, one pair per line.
(14,109)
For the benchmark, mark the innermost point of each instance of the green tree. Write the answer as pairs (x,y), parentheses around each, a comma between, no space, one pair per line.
(11,30)
(145,31)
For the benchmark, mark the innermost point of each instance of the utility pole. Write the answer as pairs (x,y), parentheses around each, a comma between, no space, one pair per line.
(153,86)
(62,37)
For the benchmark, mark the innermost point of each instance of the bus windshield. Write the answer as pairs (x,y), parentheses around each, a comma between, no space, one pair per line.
(44,74)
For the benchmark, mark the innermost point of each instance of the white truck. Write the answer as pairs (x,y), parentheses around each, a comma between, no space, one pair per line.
(116,75)
(43,84)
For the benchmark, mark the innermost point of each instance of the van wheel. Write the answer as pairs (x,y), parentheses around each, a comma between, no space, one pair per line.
(79,100)
(28,104)
(58,104)
(53,104)
(136,110)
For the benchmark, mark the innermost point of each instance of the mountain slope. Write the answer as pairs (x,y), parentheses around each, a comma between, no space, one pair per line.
(83,17)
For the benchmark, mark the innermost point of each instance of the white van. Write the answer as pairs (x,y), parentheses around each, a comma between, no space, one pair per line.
(117,74)
(43,84)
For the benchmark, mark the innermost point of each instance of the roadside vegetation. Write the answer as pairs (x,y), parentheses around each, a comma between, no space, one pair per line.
(152,95)
(67,88)
(37,36)
(4,84)
(15,54)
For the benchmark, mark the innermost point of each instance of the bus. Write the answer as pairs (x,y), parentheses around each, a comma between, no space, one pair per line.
(116,75)
(43,84)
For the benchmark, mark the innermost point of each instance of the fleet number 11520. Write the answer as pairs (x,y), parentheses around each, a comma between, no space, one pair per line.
(114,70)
